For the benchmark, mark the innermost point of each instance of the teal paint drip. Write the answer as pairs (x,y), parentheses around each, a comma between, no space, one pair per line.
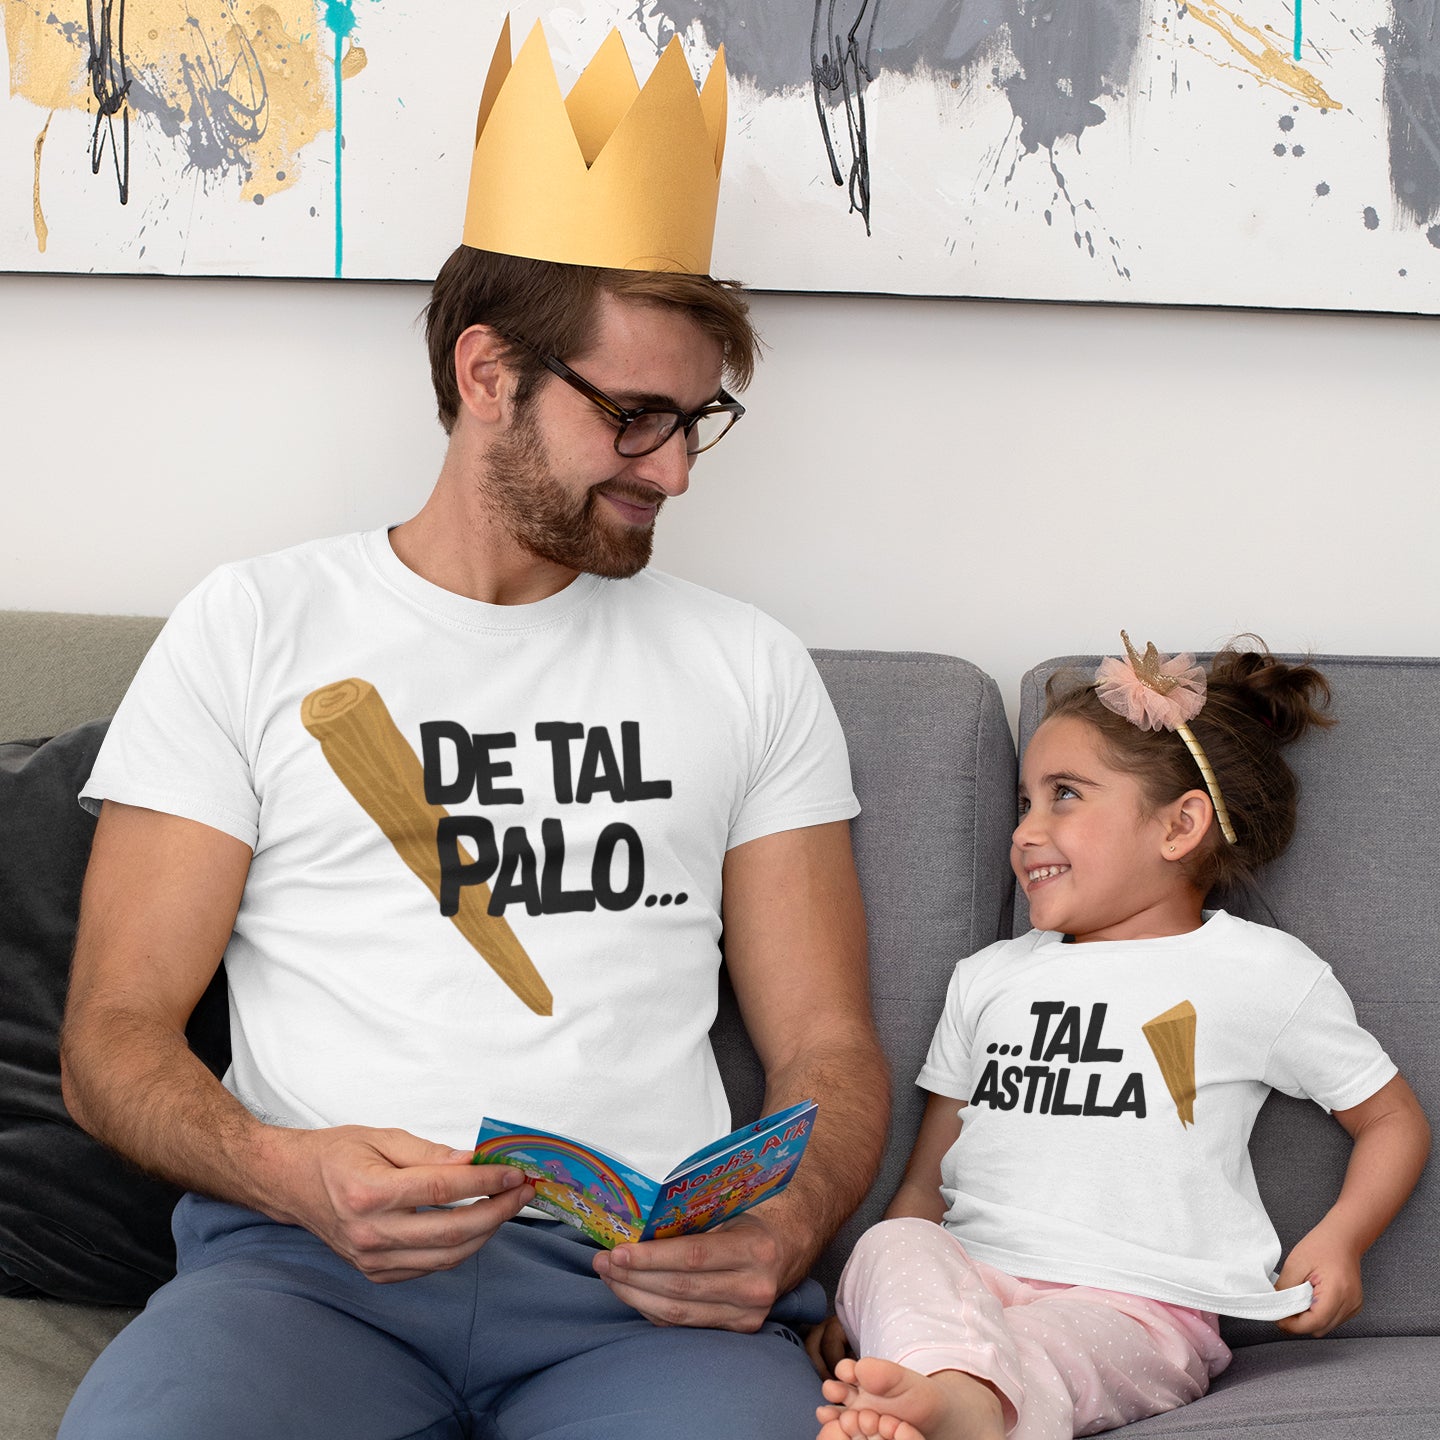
(340,17)
(1298,31)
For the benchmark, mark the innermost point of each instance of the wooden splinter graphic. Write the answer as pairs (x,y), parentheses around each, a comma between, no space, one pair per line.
(377,766)
(1172,1038)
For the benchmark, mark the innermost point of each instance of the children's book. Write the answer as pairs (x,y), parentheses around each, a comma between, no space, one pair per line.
(612,1201)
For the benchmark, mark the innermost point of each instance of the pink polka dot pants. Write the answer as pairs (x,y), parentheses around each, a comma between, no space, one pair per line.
(1067,1360)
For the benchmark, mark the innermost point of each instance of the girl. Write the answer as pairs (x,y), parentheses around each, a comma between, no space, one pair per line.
(1055,1267)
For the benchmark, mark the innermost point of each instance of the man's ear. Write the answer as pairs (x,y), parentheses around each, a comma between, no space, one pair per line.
(1187,823)
(482,374)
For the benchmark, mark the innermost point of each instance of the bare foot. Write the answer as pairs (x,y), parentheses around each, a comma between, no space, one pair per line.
(874,1399)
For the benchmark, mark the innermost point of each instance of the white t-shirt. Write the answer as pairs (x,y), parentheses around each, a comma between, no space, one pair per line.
(1112,1087)
(590,758)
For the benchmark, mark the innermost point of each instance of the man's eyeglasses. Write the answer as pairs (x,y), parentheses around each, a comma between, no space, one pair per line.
(647,427)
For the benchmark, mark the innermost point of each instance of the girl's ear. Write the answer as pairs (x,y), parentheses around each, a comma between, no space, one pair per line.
(1187,823)
(481,374)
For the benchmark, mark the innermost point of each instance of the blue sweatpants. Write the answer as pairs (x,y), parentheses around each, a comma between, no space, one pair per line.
(266,1334)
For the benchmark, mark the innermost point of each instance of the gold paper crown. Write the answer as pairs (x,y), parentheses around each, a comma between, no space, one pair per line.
(612,174)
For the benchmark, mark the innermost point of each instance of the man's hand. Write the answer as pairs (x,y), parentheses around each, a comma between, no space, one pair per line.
(726,1279)
(1332,1266)
(375,1197)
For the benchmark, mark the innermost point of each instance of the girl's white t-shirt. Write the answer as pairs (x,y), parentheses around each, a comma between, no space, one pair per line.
(1111,1090)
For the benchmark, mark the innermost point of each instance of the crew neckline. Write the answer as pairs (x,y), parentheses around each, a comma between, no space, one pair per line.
(1209,918)
(461,609)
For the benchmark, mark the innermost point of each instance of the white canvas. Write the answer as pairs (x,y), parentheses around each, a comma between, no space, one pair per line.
(1097,150)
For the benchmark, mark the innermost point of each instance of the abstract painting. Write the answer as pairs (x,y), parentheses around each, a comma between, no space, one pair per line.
(192,114)
(1277,153)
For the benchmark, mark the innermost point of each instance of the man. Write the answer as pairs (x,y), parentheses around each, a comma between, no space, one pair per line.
(462,805)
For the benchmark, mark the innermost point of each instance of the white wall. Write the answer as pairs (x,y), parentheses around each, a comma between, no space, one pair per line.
(1000,481)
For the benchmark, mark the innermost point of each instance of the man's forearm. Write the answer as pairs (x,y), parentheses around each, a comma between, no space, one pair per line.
(796,953)
(850,1081)
(137,1087)
(158,907)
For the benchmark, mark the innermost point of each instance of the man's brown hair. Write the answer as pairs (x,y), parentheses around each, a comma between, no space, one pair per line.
(552,308)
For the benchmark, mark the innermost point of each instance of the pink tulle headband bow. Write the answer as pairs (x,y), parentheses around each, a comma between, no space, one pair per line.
(1159,694)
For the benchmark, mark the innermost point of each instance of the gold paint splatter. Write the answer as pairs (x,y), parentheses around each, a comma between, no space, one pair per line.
(354,62)
(255,86)
(299,103)
(42,230)
(1274,66)
(46,68)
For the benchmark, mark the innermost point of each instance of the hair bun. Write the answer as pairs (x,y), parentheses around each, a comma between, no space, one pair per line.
(1288,699)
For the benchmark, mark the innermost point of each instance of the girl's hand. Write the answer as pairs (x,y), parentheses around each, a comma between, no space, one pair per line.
(1391,1141)
(826,1346)
(1332,1266)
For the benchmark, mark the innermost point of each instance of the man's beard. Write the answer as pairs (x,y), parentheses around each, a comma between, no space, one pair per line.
(552,523)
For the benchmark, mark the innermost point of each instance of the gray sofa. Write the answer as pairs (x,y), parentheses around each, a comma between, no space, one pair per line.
(934,766)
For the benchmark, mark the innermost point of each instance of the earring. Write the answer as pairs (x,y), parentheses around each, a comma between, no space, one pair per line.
(1172,849)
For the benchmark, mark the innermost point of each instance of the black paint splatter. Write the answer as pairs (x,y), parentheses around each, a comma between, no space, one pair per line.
(840,65)
(110,83)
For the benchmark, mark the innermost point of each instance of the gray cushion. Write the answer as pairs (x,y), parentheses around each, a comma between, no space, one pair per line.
(1315,1390)
(934,768)
(46,1346)
(1357,885)
(61,670)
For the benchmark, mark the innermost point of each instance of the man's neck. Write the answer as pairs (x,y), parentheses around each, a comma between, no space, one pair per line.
(462,548)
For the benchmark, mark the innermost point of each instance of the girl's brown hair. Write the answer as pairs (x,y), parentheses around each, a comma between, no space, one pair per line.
(552,307)
(1255,704)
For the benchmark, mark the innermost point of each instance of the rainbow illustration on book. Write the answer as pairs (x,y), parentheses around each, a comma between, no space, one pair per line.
(612,1201)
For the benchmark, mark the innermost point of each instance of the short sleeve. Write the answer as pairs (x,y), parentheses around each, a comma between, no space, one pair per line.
(800,767)
(1324,1054)
(947,1067)
(177,741)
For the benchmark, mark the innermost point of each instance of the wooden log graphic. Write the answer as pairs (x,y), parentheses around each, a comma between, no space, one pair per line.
(1172,1038)
(377,766)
